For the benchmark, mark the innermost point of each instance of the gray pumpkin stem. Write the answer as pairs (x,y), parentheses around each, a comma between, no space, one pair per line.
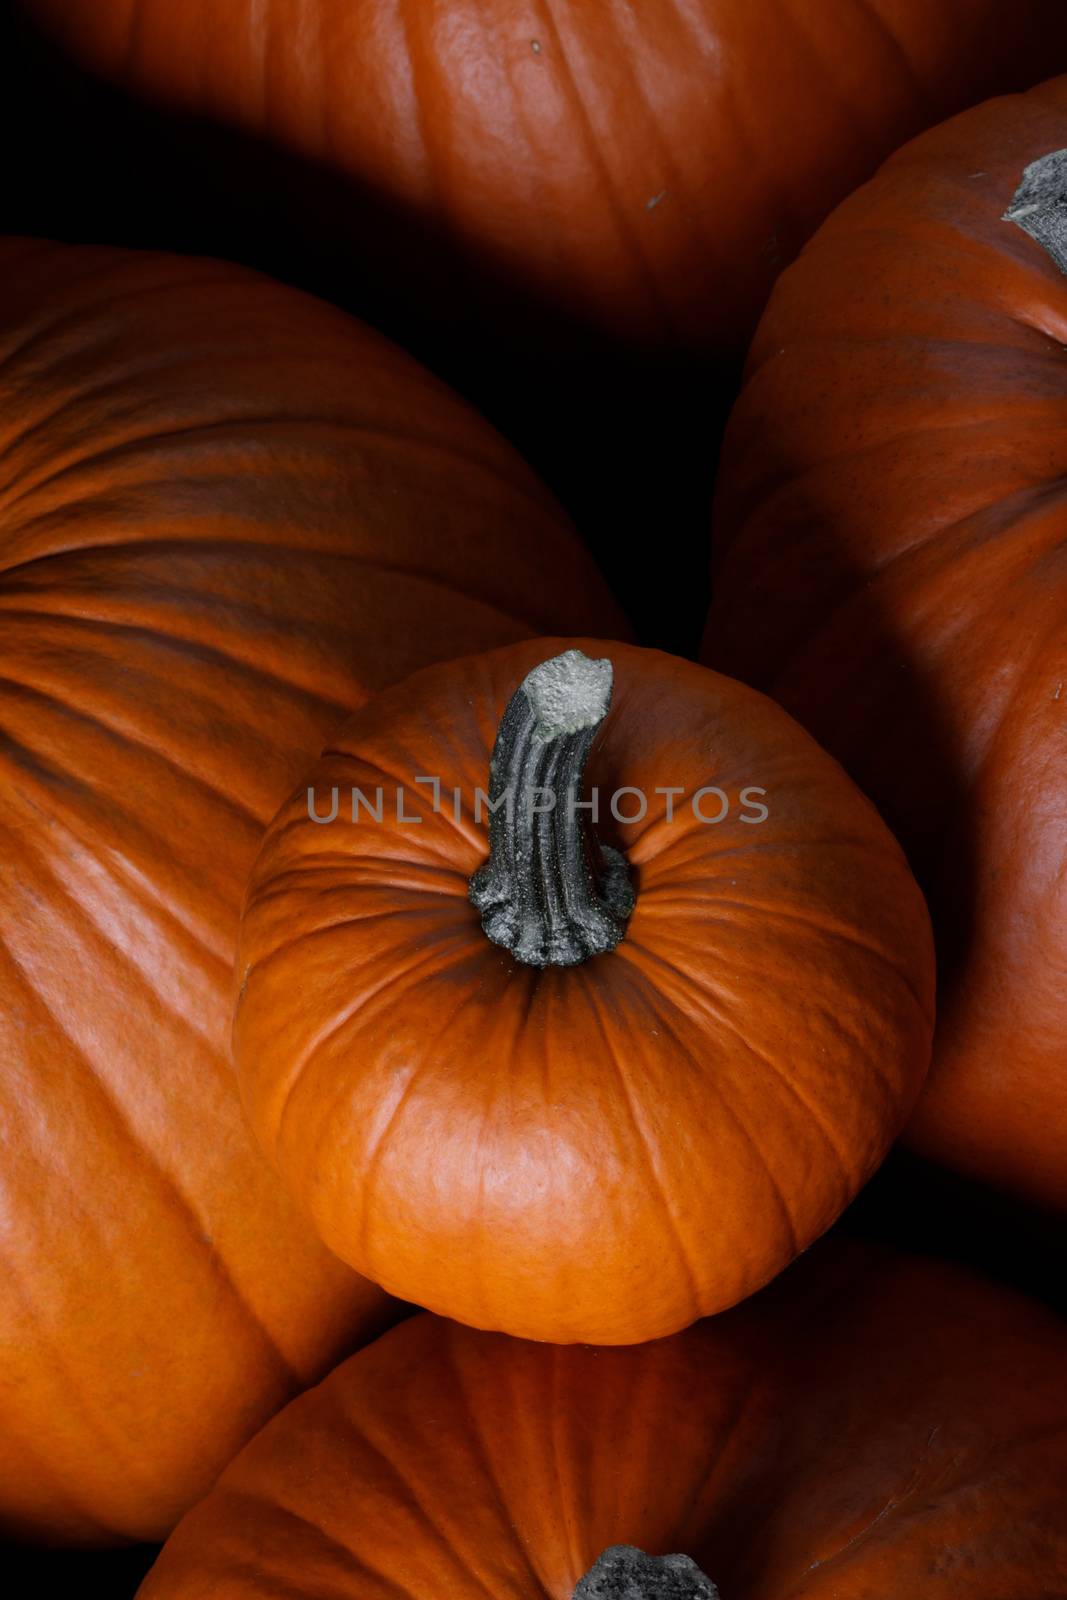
(550,892)
(623,1573)
(1039,205)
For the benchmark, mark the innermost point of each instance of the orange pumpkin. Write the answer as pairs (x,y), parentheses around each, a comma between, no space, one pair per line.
(227,513)
(642,169)
(869,1426)
(579,1123)
(892,530)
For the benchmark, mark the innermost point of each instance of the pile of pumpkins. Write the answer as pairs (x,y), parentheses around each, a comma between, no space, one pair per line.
(438,1031)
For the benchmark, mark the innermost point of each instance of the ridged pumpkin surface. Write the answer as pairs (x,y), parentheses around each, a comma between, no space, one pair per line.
(599,1152)
(870,1428)
(226,513)
(647,168)
(892,535)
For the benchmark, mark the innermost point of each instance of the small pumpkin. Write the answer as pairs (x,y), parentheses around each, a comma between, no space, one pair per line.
(572,1087)
(891,537)
(644,170)
(227,514)
(871,1425)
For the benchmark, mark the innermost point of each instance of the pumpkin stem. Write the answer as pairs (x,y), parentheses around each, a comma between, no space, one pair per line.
(550,892)
(1039,205)
(624,1573)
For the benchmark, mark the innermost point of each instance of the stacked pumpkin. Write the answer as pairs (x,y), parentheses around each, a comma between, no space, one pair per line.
(575,989)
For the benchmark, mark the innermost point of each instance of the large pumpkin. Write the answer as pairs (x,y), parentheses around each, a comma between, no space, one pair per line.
(869,1427)
(590,1119)
(892,528)
(226,513)
(644,169)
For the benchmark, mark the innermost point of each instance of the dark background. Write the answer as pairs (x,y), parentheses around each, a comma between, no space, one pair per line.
(627,441)
(628,444)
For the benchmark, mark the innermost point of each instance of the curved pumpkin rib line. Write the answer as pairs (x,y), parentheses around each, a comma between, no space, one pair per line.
(641,1139)
(1022,669)
(823,61)
(811,1108)
(881,27)
(347,861)
(489,1090)
(722,1019)
(940,549)
(48,326)
(184,647)
(327,1034)
(59,1348)
(847,343)
(375,1448)
(627,228)
(566,1503)
(396,866)
(258,1585)
(118,387)
(186,1210)
(138,888)
(211,435)
(840,935)
(469,836)
(160,620)
(763,177)
(426,91)
(705,857)
(375,1152)
(704,1076)
(282,1513)
(359,871)
(100,1421)
(870,454)
(121,735)
(706,1000)
(138,885)
(469,1411)
(512,1379)
(719,1464)
(96,1419)
(284,948)
(939,236)
(638,91)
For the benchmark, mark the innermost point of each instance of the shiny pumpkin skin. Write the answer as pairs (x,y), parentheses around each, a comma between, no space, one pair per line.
(891,530)
(603,1152)
(226,514)
(869,1428)
(646,170)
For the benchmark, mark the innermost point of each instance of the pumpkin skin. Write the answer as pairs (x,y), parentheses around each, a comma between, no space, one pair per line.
(604,1152)
(228,513)
(642,171)
(869,1426)
(891,535)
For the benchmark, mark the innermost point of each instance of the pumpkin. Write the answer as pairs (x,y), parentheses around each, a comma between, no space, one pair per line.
(572,1087)
(871,1425)
(644,171)
(891,531)
(227,514)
